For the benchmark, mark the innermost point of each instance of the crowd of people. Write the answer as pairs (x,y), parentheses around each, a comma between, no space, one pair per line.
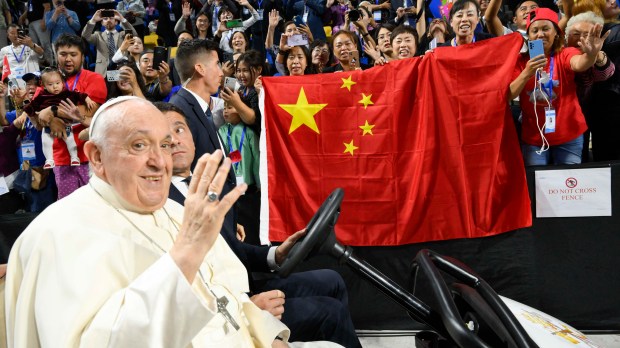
(64,60)
(563,100)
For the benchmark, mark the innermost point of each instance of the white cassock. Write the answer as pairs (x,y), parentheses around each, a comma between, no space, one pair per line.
(83,275)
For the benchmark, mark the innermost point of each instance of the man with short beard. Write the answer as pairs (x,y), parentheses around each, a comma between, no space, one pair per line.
(101,39)
(70,58)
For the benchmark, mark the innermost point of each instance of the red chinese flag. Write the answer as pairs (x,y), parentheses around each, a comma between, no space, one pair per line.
(6,68)
(424,148)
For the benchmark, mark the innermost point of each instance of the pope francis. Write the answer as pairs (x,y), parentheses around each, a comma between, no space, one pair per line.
(116,264)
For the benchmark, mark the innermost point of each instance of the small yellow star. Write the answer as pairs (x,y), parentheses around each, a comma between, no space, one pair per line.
(347,83)
(302,112)
(366,100)
(350,147)
(367,128)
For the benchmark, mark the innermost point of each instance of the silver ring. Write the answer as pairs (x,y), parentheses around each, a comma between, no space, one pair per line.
(212,196)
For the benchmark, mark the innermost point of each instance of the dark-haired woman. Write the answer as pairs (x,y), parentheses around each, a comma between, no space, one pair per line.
(553,123)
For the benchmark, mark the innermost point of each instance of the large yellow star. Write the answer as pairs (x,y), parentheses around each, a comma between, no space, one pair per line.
(350,147)
(347,83)
(367,128)
(302,112)
(366,100)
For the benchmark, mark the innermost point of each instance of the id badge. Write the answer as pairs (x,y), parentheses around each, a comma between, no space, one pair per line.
(30,7)
(240,179)
(549,120)
(260,14)
(28,152)
(172,17)
(305,17)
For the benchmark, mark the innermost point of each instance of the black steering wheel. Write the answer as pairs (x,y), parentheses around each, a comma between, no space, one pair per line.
(320,227)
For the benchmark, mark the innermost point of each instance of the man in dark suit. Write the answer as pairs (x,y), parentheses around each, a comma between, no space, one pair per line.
(316,301)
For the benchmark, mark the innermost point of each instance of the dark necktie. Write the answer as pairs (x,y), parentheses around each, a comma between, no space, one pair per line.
(111,47)
(187,180)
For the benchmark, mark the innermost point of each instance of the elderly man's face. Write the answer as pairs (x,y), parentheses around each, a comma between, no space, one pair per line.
(137,161)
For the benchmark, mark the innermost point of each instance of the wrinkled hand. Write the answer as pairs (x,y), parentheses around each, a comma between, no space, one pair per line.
(283,249)
(25,40)
(240,232)
(270,301)
(203,219)
(593,42)
(274,18)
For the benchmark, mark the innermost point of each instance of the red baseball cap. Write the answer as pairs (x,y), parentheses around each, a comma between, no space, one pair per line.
(543,13)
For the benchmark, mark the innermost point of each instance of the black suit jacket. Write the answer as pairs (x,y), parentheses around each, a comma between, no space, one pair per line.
(206,141)
(253,257)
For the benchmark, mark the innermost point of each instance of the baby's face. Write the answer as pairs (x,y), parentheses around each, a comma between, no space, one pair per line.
(53,83)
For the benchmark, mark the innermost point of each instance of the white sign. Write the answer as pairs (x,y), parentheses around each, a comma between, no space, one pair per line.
(573,192)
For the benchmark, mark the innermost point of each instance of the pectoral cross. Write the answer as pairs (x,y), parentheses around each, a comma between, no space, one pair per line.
(221,308)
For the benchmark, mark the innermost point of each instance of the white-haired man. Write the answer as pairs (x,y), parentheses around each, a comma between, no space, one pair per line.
(116,264)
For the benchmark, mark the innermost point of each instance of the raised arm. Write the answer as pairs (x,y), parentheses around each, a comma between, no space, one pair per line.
(490,16)
(590,46)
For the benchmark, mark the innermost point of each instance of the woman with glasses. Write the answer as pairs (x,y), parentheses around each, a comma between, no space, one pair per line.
(321,55)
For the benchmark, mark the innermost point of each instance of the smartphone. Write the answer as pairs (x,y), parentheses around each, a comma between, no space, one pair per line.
(22,32)
(536,48)
(107,13)
(129,36)
(13,83)
(230,82)
(433,44)
(228,57)
(298,20)
(160,54)
(234,23)
(376,15)
(297,40)
(355,59)
(113,75)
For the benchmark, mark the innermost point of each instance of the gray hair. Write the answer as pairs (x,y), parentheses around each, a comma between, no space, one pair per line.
(589,17)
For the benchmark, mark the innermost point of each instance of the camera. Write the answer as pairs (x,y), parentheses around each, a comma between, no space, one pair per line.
(107,13)
(22,32)
(354,15)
